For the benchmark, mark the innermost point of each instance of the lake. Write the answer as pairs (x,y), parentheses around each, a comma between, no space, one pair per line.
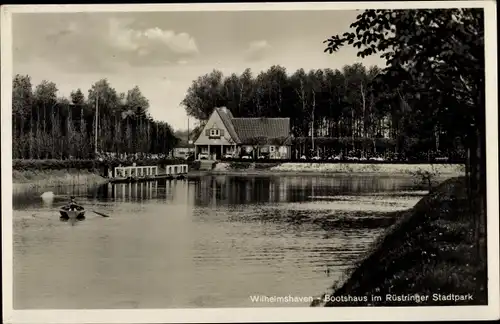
(211,241)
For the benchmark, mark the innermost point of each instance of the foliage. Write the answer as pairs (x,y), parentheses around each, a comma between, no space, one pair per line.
(435,58)
(195,165)
(48,127)
(426,177)
(353,102)
(239,165)
(88,164)
(265,166)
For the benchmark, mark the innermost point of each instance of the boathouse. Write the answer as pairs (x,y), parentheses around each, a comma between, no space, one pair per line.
(226,136)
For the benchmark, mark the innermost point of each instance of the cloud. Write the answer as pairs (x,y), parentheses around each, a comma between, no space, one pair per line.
(151,42)
(84,43)
(257,50)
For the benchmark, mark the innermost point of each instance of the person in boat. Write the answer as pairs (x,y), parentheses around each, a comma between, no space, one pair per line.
(72,205)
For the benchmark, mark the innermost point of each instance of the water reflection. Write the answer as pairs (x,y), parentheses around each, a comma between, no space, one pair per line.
(254,190)
(210,241)
(225,190)
(138,191)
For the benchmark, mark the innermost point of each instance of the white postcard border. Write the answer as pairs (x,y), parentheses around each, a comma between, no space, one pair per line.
(492,311)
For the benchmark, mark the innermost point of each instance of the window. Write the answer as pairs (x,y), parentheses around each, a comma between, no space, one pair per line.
(214,132)
(271,148)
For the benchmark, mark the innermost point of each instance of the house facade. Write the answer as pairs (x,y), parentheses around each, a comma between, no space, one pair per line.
(226,136)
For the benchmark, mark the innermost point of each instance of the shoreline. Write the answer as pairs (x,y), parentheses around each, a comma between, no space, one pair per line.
(416,255)
(441,171)
(310,173)
(31,178)
(335,168)
(34,179)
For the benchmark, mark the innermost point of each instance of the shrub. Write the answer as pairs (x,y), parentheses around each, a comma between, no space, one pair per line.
(426,177)
(51,164)
(239,165)
(194,165)
(265,166)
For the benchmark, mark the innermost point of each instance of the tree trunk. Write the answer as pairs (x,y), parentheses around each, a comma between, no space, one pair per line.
(312,123)
(353,126)
(15,138)
(364,109)
(21,136)
(480,191)
(31,136)
(43,119)
(477,181)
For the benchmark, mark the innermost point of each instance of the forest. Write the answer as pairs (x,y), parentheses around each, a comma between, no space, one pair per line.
(353,108)
(45,126)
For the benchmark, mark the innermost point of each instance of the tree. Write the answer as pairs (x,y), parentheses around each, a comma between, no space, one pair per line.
(439,56)
(136,102)
(204,95)
(355,102)
(298,82)
(256,143)
(22,105)
(59,127)
(246,89)
(104,99)
(45,102)
(77,97)
(137,106)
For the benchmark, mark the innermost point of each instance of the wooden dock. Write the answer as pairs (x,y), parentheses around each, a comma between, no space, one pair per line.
(131,174)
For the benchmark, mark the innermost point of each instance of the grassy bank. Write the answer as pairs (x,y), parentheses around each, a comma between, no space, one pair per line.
(29,179)
(41,173)
(430,250)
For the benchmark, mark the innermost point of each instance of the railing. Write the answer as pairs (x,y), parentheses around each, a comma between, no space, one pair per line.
(136,171)
(149,171)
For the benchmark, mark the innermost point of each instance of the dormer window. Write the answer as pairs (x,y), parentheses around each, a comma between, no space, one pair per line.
(214,132)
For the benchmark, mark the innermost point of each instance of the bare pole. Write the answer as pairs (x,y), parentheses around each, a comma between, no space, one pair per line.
(96,119)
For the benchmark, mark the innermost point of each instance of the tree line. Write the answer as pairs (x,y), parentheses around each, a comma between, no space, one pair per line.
(45,126)
(350,105)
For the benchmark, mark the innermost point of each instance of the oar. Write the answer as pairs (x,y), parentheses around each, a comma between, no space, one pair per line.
(103,215)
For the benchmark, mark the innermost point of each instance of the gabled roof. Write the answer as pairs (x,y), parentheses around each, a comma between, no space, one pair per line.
(271,128)
(226,116)
(244,130)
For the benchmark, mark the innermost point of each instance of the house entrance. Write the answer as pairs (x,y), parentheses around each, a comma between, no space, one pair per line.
(216,152)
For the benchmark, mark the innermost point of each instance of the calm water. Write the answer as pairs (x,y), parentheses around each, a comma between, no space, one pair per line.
(209,242)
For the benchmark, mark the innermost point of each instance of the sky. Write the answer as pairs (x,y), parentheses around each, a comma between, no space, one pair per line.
(163,52)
